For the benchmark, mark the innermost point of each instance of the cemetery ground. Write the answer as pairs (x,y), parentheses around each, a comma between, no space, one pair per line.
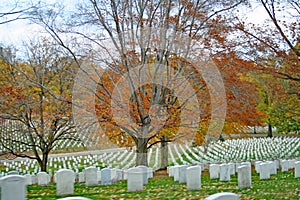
(280,186)
(275,166)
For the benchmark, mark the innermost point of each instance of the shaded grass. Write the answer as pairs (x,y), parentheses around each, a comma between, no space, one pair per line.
(280,186)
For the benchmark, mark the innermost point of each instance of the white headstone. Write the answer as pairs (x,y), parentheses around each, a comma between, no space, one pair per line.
(113,173)
(13,187)
(106,176)
(90,175)
(224,172)
(182,173)
(256,166)
(125,174)
(134,180)
(171,171)
(292,163)
(81,177)
(264,169)
(244,177)
(214,171)
(284,165)
(277,163)
(65,179)
(193,177)
(176,173)
(297,169)
(43,178)
(99,176)
(119,174)
(34,179)
(272,166)
(232,168)
(150,172)
(28,178)
(223,196)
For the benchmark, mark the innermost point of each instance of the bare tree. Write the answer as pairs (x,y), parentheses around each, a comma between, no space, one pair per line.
(158,34)
(36,103)
(274,41)
(11,12)
(292,8)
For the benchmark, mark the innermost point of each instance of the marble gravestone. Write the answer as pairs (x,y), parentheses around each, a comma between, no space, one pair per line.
(193,177)
(106,178)
(134,180)
(214,171)
(65,179)
(90,175)
(224,172)
(43,178)
(244,177)
(13,187)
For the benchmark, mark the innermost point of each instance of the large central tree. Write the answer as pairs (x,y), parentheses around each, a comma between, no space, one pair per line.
(151,52)
(152,55)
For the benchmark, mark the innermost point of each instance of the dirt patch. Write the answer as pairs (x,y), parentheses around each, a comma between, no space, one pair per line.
(7,156)
(160,173)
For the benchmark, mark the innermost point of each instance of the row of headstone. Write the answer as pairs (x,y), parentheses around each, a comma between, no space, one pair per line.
(13,187)
(248,149)
(179,155)
(225,170)
(191,175)
(91,176)
(172,155)
(74,162)
(14,127)
(131,162)
(235,150)
(190,159)
(268,168)
(65,184)
(138,177)
(65,179)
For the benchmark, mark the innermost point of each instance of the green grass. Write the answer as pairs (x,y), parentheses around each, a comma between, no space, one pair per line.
(280,186)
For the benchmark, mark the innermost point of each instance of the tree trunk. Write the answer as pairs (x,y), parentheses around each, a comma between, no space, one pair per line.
(44,162)
(164,153)
(270,134)
(141,151)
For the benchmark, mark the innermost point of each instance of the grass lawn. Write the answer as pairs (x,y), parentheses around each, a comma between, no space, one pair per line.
(280,186)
